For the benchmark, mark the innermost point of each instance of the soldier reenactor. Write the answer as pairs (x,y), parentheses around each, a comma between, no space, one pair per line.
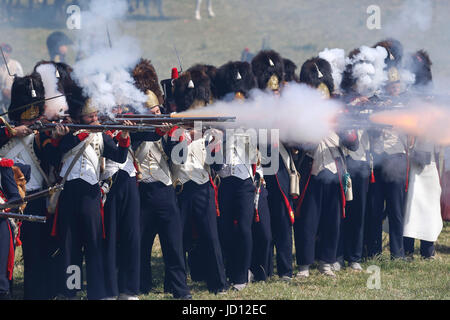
(79,219)
(193,176)
(322,201)
(268,67)
(159,210)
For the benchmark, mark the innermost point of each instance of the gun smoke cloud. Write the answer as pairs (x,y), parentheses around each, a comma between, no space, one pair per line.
(107,57)
(300,113)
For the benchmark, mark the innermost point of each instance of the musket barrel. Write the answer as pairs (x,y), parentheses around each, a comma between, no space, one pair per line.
(161,120)
(25,217)
(31,197)
(102,127)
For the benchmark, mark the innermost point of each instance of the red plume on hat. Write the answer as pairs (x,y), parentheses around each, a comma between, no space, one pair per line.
(174,73)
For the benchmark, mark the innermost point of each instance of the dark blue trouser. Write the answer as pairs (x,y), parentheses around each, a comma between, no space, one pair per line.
(387,198)
(122,245)
(237,210)
(36,254)
(427,248)
(160,215)
(320,218)
(281,227)
(352,227)
(80,227)
(262,265)
(197,202)
(5,238)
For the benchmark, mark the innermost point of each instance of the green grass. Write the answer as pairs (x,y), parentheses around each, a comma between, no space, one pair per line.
(419,279)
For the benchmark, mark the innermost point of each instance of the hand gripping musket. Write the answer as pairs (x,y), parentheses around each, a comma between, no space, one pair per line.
(31,197)
(24,217)
(43,126)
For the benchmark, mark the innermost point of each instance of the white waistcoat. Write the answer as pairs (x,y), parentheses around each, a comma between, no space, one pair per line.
(87,166)
(390,142)
(111,167)
(194,167)
(325,154)
(154,163)
(241,153)
(16,151)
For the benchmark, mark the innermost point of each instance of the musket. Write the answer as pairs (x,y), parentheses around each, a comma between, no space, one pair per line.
(25,217)
(173,120)
(6,64)
(40,126)
(359,121)
(32,103)
(31,197)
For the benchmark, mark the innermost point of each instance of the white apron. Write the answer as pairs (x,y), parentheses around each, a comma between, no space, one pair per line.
(423,210)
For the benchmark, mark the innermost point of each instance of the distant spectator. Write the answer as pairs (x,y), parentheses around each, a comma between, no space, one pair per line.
(57,44)
(210,10)
(6,80)
(158,4)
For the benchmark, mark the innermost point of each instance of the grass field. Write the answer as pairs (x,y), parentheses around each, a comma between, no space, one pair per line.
(419,279)
(298,29)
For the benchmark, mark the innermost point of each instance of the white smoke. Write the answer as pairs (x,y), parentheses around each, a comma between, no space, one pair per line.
(414,15)
(300,113)
(369,70)
(57,106)
(336,58)
(103,73)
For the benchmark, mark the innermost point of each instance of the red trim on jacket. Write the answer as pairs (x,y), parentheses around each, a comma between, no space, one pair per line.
(10,264)
(286,202)
(216,195)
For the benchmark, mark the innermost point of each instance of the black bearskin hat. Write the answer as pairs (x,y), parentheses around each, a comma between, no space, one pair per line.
(146,78)
(26,90)
(316,71)
(420,64)
(394,49)
(234,77)
(191,87)
(55,40)
(266,64)
(211,72)
(289,71)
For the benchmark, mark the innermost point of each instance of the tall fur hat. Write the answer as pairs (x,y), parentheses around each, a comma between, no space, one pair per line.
(289,71)
(420,64)
(316,71)
(25,90)
(235,77)
(211,72)
(191,88)
(395,52)
(145,78)
(266,64)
